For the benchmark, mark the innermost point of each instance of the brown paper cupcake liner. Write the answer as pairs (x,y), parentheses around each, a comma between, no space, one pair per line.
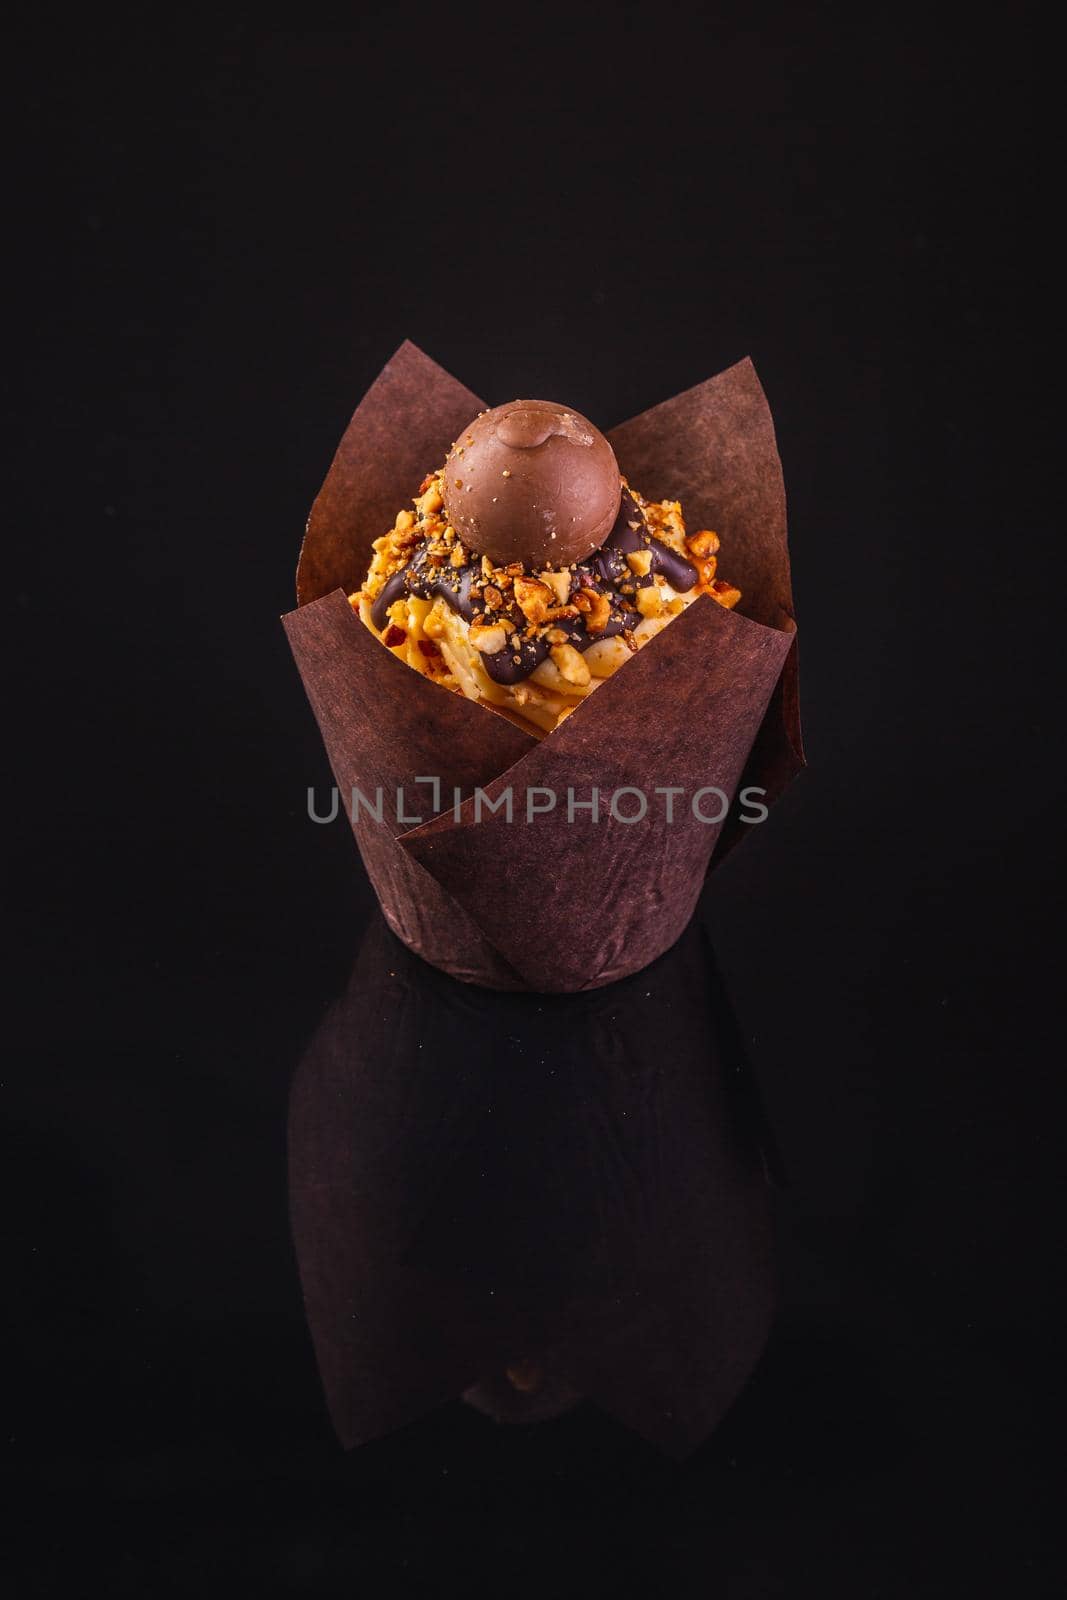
(558,903)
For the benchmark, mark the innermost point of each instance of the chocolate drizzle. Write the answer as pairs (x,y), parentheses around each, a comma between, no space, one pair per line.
(630,534)
(606,571)
(421,577)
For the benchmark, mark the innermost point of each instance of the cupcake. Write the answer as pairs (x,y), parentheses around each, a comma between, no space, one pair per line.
(596,717)
(526,570)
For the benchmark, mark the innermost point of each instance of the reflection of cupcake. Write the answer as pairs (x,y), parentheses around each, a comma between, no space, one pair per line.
(525,1200)
(514,845)
(527,570)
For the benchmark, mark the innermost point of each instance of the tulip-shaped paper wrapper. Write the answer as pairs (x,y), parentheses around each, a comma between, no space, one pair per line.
(574,897)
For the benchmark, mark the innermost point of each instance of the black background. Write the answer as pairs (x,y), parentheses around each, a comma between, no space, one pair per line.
(221,236)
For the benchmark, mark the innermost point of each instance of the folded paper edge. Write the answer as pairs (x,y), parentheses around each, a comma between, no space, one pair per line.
(406,352)
(447,820)
(328,601)
(702,383)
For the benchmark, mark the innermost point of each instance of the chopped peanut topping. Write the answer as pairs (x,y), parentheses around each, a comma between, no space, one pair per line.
(488,640)
(525,614)
(704,543)
(430,501)
(597,609)
(534,598)
(725,594)
(570,664)
(649,601)
(559,583)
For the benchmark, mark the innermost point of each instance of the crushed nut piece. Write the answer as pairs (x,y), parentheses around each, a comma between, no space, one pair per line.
(570,664)
(640,561)
(559,583)
(596,608)
(704,543)
(650,600)
(725,593)
(488,640)
(534,598)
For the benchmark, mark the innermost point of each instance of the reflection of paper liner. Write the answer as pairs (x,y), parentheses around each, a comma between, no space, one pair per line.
(555,905)
(462,1196)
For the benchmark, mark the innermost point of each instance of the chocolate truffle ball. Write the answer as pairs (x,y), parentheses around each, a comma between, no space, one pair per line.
(534,482)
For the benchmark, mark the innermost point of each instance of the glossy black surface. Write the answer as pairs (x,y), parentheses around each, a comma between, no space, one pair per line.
(218,236)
